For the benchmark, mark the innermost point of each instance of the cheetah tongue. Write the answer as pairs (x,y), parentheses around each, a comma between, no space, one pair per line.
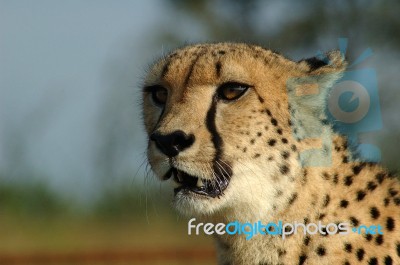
(211,188)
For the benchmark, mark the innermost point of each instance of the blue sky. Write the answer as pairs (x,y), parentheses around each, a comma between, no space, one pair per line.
(53,55)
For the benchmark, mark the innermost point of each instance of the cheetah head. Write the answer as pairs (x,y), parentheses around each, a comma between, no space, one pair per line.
(219,125)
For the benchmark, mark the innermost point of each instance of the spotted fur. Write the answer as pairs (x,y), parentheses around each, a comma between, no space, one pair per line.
(255,143)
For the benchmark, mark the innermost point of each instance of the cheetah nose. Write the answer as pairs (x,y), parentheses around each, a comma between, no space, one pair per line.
(173,143)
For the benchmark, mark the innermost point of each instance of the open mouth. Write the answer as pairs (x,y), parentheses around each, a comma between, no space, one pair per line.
(188,183)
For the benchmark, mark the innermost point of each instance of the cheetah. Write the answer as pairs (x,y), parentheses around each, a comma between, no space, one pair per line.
(224,128)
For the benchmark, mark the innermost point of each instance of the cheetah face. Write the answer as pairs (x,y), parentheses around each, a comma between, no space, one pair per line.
(189,147)
(211,181)
(213,128)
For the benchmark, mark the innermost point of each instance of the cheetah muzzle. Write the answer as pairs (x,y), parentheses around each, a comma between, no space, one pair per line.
(191,184)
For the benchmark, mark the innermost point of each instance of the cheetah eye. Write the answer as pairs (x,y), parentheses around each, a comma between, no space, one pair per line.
(231,90)
(159,94)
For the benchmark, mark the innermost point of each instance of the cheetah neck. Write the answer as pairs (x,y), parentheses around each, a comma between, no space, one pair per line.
(313,204)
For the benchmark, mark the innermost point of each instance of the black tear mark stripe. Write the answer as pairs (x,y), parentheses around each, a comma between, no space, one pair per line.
(166,66)
(159,118)
(220,169)
(218,67)
(194,61)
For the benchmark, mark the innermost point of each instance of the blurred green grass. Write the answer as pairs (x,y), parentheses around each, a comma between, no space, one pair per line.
(35,220)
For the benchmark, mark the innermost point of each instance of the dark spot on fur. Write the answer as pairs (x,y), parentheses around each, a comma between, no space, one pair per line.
(306,240)
(368,237)
(327,199)
(321,251)
(348,247)
(293,147)
(373,261)
(268,112)
(398,248)
(386,202)
(345,159)
(388,260)
(390,224)
(274,122)
(222,52)
(348,180)
(259,134)
(252,141)
(281,252)
(302,259)
(357,169)
(287,229)
(392,192)
(371,185)
(360,254)
(284,169)
(346,262)
(260,99)
(244,150)
(256,155)
(325,176)
(304,177)
(335,179)
(397,201)
(380,177)
(285,154)
(323,231)
(272,142)
(374,213)
(284,140)
(354,221)
(379,240)
(344,203)
(360,195)
(321,216)
(293,198)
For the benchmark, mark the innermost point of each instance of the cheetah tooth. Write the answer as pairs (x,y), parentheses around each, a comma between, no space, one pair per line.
(179,175)
(199,183)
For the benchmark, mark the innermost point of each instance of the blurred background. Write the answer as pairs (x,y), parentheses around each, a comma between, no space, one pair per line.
(75,187)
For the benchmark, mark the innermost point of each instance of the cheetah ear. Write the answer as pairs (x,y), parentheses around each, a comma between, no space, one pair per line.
(308,92)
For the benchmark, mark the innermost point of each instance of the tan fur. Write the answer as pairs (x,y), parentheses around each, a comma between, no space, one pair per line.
(258,189)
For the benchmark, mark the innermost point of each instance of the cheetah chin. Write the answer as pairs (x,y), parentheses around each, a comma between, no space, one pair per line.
(191,185)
